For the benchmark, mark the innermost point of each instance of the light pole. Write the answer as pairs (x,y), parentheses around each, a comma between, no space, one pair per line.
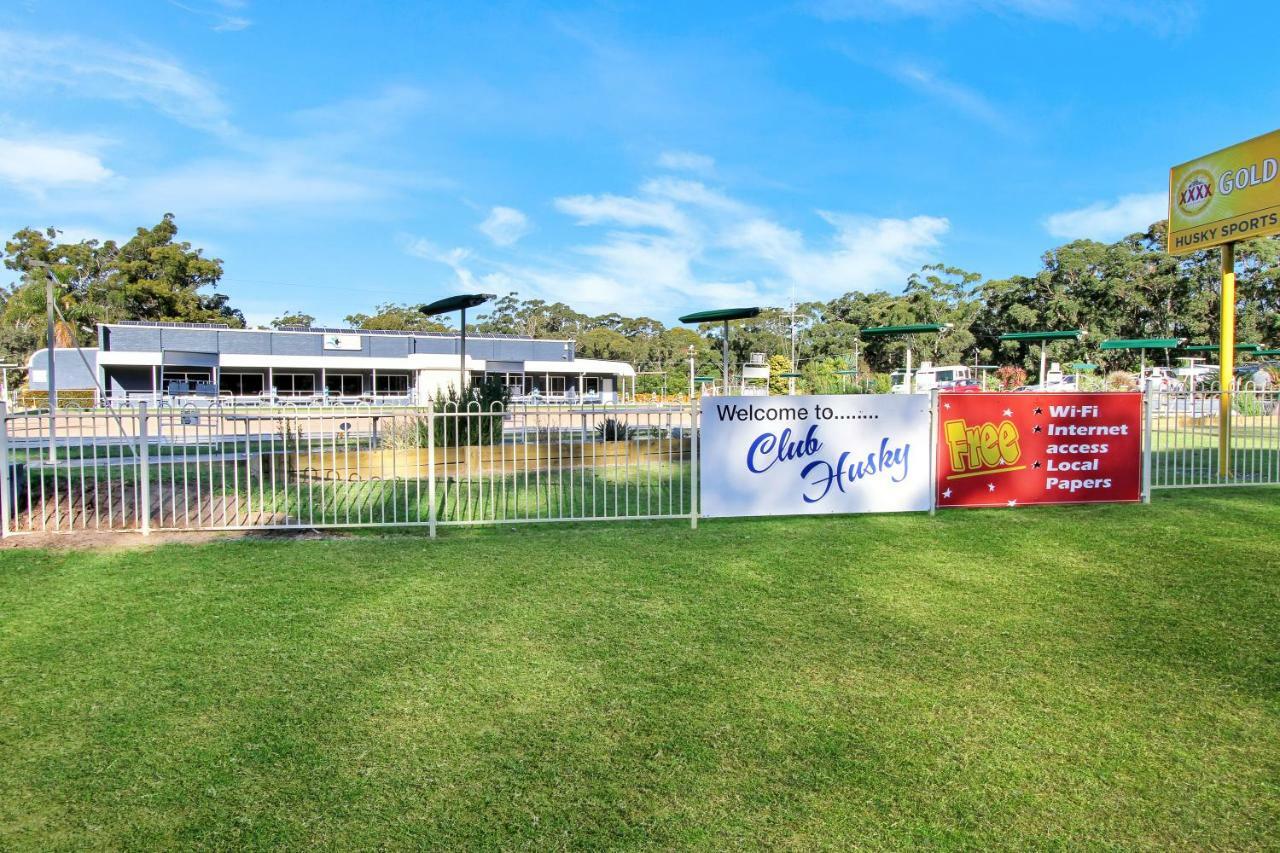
(50,352)
(4,381)
(460,304)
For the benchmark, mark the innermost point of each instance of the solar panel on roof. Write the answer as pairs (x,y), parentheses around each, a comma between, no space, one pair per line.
(166,324)
(331,330)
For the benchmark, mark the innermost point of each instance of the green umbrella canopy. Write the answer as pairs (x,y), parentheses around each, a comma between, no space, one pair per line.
(1084,367)
(909,329)
(1268,352)
(1142,343)
(1033,337)
(456,303)
(846,373)
(704,379)
(791,375)
(720,314)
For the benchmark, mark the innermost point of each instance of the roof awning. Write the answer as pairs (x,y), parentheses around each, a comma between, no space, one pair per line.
(1060,335)
(908,329)
(1142,343)
(720,314)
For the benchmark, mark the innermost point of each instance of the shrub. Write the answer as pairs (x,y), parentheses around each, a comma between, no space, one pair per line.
(1121,380)
(1010,377)
(612,429)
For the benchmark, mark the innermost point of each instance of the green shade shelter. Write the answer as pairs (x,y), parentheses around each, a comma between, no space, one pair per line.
(1254,348)
(909,330)
(1044,338)
(459,303)
(1142,345)
(1084,367)
(722,315)
(1268,352)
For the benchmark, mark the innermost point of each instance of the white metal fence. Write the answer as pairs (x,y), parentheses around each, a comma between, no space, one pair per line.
(145,468)
(161,468)
(1182,434)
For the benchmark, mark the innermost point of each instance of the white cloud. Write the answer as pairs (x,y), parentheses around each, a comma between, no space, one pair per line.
(1164,17)
(686,161)
(958,96)
(94,69)
(220,14)
(504,225)
(677,243)
(1109,220)
(623,210)
(36,165)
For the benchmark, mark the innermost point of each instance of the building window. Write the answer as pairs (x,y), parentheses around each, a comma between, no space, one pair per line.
(555,386)
(393,384)
(344,384)
(242,384)
(183,381)
(294,384)
(591,385)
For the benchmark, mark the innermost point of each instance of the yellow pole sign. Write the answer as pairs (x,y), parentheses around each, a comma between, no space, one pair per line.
(1215,200)
(1229,195)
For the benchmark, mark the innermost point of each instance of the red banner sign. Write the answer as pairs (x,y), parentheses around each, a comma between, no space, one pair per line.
(1038,448)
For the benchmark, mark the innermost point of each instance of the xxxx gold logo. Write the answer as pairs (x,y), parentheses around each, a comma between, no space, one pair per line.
(1195,192)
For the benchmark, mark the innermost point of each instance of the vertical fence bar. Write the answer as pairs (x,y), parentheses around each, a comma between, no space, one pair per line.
(1148,437)
(431,471)
(933,451)
(693,466)
(5,484)
(144,472)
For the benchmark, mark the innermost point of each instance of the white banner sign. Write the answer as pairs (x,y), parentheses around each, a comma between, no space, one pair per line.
(838,453)
(342,342)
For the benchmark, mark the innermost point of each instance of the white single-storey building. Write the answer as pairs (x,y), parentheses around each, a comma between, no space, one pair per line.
(152,360)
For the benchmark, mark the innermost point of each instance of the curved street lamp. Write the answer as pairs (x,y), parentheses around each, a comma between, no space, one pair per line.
(722,315)
(460,304)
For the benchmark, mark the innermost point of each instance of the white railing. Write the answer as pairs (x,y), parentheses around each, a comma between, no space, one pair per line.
(1182,438)
(145,468)
(223,467)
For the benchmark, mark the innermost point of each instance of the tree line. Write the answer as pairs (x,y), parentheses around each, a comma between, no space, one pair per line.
(1131,288)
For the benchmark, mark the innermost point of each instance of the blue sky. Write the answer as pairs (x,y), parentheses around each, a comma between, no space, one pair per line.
(644,158)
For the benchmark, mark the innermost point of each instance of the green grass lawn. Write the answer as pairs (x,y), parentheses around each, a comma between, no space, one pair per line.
(1057,677)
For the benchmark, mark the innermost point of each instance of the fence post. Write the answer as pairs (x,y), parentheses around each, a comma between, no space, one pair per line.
(693,459)
(431,469)
(6,485)
(144,471)
(933,451)
(1147,438)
